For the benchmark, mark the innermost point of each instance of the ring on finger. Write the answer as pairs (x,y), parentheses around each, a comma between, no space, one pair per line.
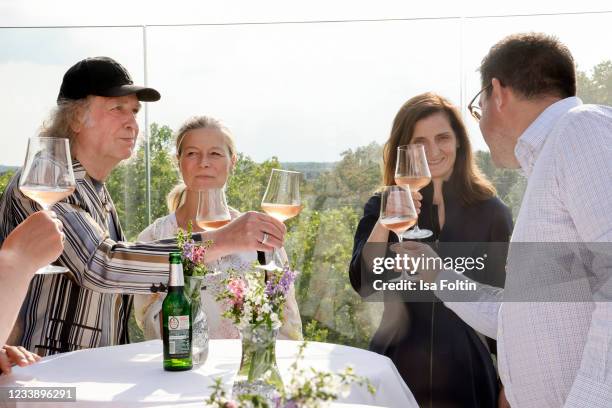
(265,238)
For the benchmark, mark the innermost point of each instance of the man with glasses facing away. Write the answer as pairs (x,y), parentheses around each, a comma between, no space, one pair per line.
(552,352)
(89,306)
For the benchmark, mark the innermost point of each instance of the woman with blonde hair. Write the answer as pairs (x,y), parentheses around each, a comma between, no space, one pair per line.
(206,154)
(442,359)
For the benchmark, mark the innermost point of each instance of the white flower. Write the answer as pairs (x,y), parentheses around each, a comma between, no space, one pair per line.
(276,324)
(345,390)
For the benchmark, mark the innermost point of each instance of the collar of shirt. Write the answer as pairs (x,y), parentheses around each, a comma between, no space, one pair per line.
(531,141)
(78,170)
(81,176)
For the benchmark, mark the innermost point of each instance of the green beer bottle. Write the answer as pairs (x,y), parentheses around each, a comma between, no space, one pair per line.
(176,317)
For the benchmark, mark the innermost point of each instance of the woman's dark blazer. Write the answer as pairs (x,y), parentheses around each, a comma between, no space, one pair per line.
(444,362)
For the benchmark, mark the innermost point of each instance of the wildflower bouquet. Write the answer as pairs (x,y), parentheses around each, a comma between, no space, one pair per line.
(305,389)
(255,304)
(192,252)
(254,301)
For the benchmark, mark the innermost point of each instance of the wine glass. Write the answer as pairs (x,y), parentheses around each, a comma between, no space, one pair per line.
(397,213)
(47,177)
(281,201)
(213,212)
(412,171)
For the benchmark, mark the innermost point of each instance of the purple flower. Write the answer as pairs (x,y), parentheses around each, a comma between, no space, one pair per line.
(283,285)
(286,280)
(188,250)
(291,404)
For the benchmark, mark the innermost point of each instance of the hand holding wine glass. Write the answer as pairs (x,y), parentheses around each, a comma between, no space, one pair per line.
(47,177)
(412,171)
(281,201)
(397,213)
(36,241)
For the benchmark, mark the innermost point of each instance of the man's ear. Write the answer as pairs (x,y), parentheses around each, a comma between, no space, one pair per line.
(79,120)
(499,94)
(76,125)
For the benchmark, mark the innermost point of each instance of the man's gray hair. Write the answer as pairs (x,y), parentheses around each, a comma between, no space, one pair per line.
(63,118)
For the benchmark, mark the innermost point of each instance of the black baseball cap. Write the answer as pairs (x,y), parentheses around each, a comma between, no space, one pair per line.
(101,76)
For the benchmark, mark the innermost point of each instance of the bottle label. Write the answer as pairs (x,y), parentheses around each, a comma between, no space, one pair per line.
(178,339)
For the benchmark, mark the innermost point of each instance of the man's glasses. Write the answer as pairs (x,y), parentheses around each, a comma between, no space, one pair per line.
(474,109)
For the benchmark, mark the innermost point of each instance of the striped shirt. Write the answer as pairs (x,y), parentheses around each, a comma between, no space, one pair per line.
(88,306)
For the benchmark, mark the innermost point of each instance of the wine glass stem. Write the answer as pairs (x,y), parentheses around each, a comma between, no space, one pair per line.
(279,258)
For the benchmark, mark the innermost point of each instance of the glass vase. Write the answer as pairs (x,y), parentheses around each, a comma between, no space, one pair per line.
(199,343)
(258,373)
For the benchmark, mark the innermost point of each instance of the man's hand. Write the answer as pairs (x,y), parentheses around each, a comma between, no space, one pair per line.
(502,402)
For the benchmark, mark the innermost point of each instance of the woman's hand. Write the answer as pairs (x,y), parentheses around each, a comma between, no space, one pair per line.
(12,355)
(251,231)
(415,249)
(37,241)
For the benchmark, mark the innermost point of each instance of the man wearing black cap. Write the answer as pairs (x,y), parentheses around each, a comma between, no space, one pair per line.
(89,306)
(102,89)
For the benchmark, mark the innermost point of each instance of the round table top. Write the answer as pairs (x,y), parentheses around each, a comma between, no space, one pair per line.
(132,375)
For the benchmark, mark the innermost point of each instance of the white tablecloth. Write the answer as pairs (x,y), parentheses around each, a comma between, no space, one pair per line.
(132,375)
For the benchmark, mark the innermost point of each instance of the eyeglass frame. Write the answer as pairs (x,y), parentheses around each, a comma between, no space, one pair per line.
(472,108)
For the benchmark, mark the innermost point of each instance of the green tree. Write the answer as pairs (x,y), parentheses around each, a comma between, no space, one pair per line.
(510,184)
(320,246)
(351,182)
(5,178)
(596,88)
(247,184)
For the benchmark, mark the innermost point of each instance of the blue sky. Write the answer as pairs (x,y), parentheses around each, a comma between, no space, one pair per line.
(302,92)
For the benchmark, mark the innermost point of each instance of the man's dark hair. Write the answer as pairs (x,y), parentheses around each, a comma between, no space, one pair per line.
(532,64)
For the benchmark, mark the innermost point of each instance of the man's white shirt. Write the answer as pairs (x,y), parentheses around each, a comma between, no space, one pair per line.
(555,354)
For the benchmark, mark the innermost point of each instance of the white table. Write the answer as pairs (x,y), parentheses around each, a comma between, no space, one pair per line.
(132,375)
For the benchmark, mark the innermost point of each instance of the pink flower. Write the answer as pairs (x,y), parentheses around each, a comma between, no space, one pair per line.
(197,255)
(194,253)
(237,287)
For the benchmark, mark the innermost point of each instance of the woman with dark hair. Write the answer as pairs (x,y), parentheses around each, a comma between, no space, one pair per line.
(442,359)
